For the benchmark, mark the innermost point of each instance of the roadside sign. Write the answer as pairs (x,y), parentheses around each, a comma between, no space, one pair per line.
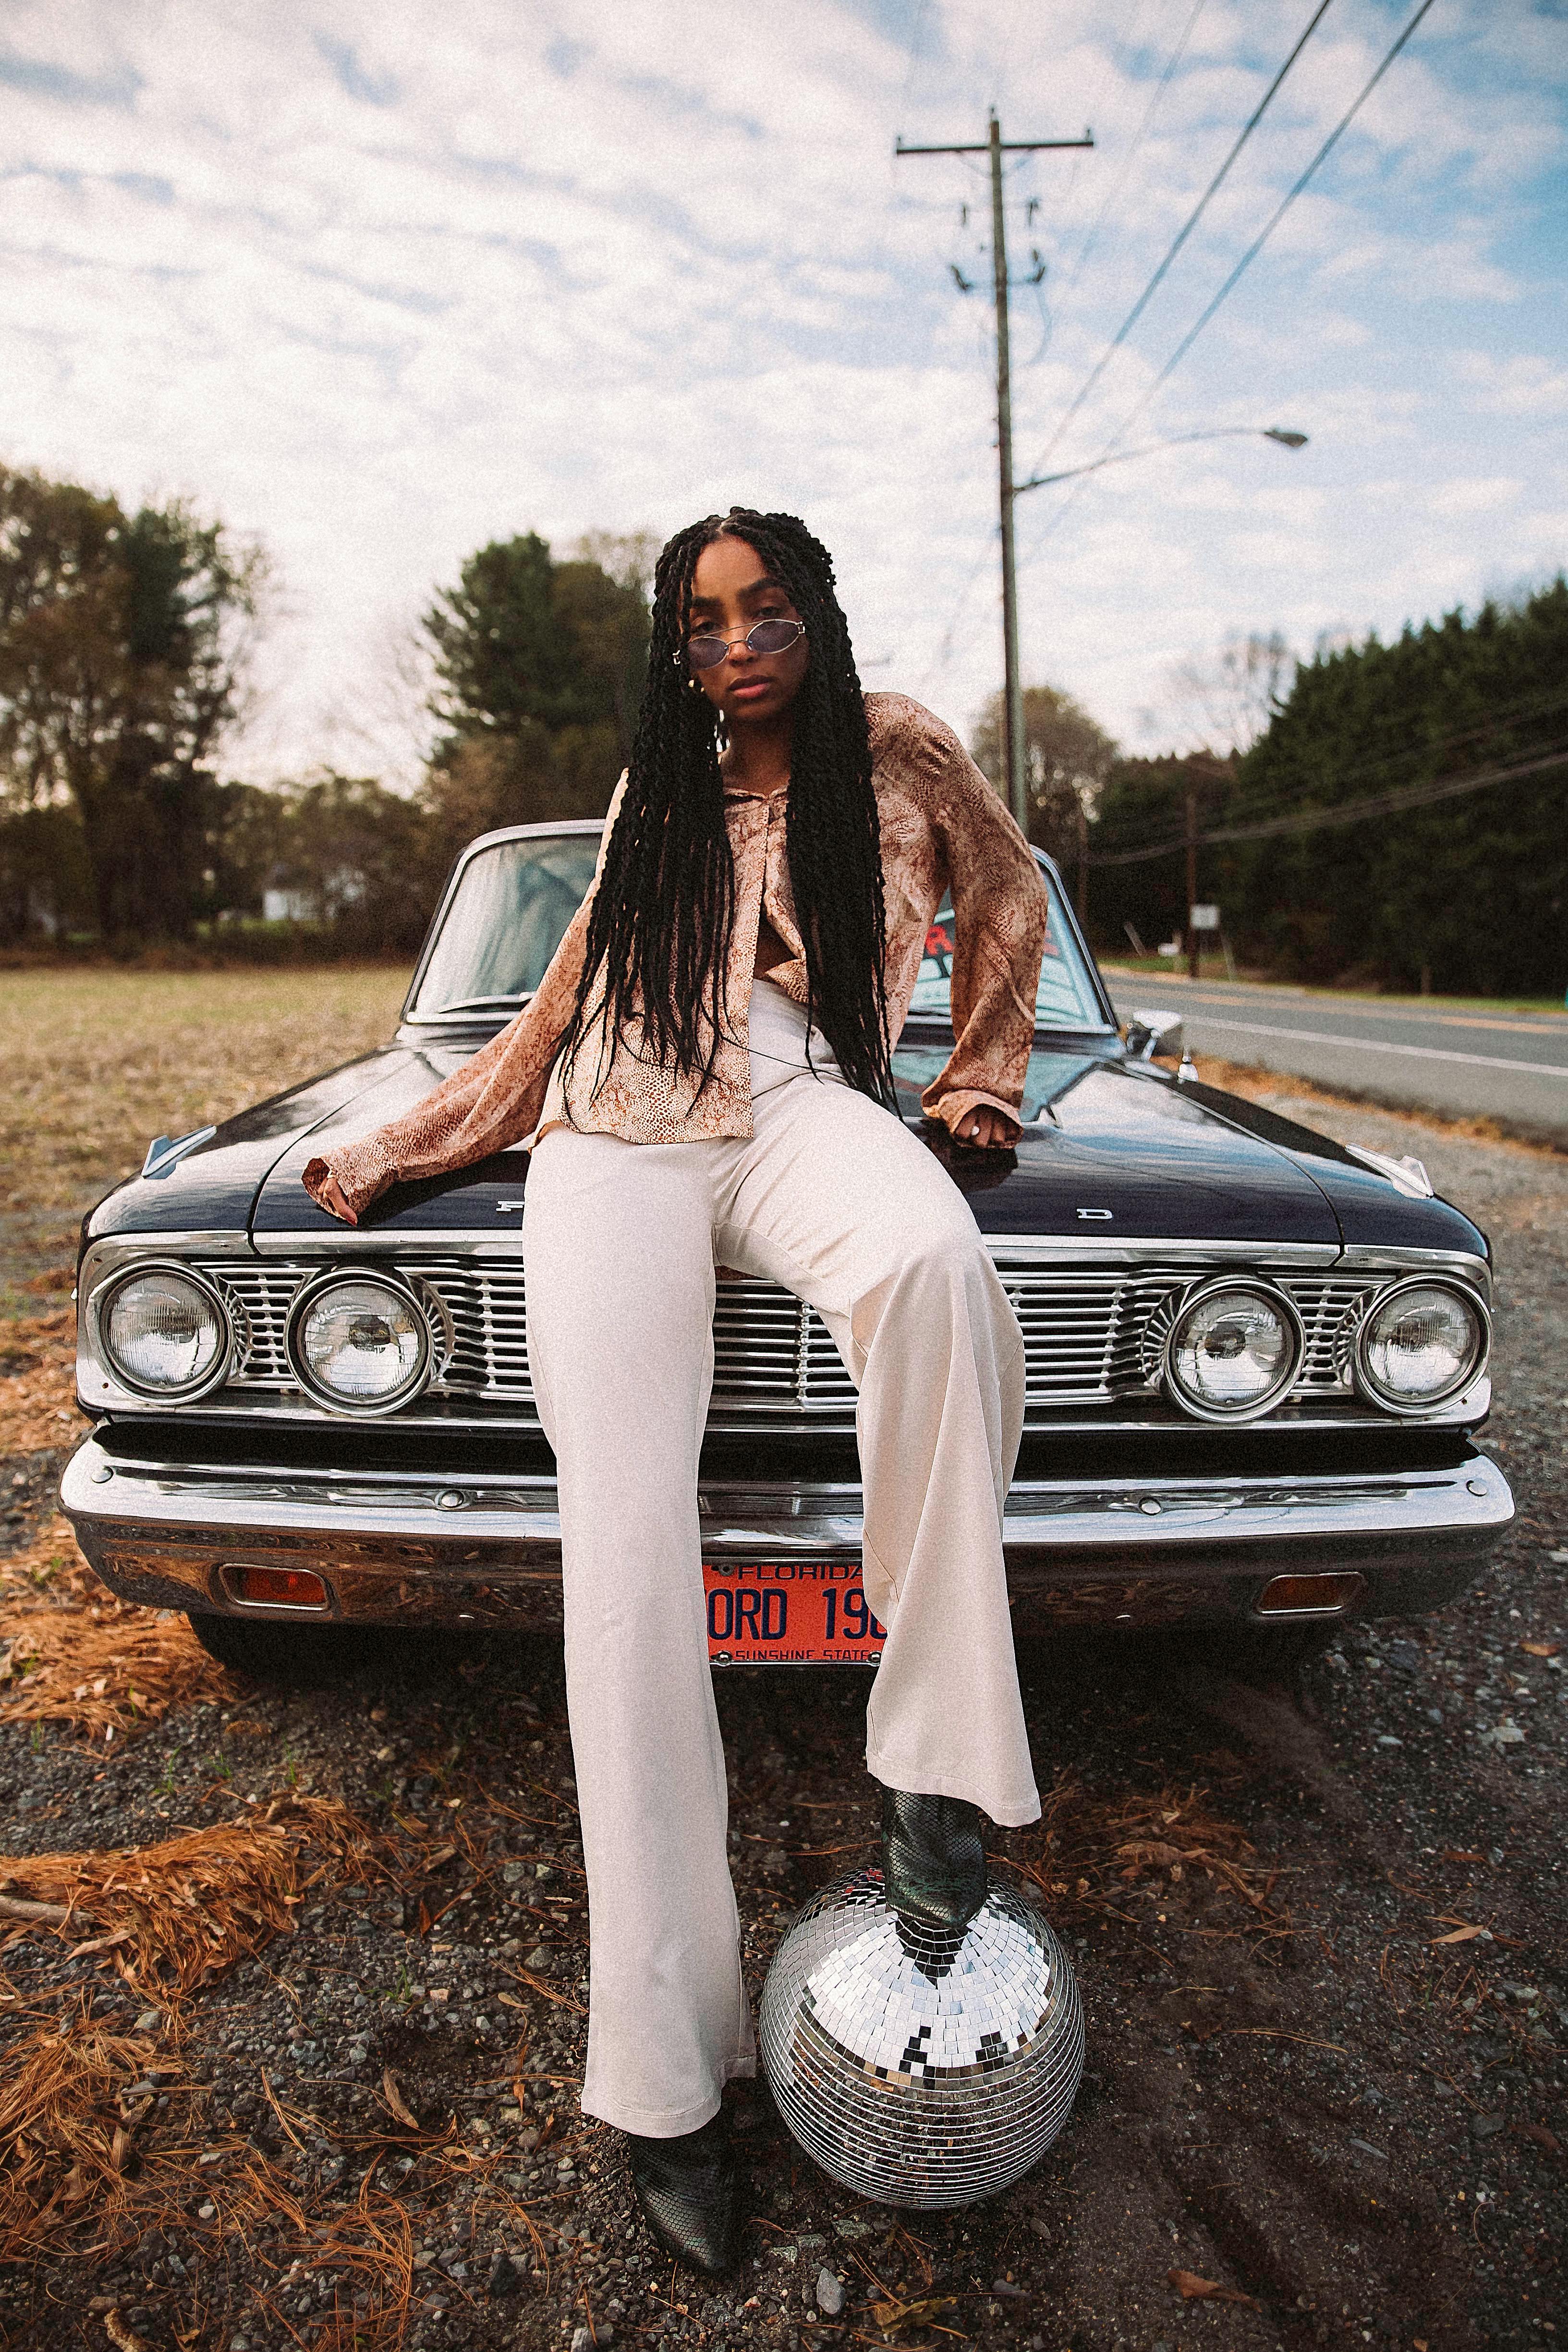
(1202,918)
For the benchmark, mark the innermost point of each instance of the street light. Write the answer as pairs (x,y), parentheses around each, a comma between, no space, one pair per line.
(1287,439)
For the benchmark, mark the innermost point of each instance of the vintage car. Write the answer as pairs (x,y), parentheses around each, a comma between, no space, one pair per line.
(1257,1358)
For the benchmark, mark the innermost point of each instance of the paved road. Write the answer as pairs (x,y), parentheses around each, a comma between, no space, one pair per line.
(1511,1067)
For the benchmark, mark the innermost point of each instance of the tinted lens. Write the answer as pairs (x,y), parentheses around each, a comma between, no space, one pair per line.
(763,636)
(772,637)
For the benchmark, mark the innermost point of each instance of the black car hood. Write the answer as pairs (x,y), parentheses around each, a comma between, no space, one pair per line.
(214,1187)
(1113,1136)
(1167,1161)
(1115,1152)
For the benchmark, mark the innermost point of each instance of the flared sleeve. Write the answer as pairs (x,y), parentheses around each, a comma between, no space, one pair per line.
(493,1100)
(1000,909)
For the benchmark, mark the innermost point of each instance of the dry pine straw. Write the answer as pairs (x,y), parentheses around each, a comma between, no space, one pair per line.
(71,1653)
(38,1399)
(86,2163)
(88,2166)
(1087,1853)
(183,1911)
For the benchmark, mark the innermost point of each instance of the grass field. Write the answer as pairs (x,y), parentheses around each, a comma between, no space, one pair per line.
(97,1063)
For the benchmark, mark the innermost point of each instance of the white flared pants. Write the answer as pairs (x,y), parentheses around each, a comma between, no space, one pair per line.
(837,1200)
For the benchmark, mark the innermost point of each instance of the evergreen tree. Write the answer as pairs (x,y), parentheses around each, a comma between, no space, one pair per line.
(123,643)
(541,664)
(1467,895)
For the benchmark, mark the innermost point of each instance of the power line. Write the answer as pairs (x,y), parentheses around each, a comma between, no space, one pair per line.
(1451,740)
(1186,231)
(1130,419)
(1137,137)
(1256,247)
(1411,796)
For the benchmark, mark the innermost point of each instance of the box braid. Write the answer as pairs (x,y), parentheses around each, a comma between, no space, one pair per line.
(660,932)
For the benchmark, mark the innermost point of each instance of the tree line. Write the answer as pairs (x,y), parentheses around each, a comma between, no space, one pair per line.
(126,645)
(1354,874)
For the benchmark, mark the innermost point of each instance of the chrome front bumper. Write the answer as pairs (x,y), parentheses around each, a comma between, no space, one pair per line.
(402,1548)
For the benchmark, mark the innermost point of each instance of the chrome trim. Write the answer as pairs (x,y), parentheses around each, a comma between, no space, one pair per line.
(1074,1248)
(1061,1284)
(1075,931)
(134,1270)
(1235,1417)
(1142,1415)
(96,1386)
(1477,1271)
(115,1248)
(1081,1249)
(386,1242)
(314,1287)
(1402,1409)
(1152,1035)
(392,1545)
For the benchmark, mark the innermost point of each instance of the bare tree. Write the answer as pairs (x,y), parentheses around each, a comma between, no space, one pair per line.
(627,557)
(380,715)
(1067,759)
(1223,701)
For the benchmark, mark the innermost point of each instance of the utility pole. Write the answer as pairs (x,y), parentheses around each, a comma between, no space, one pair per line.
(995,147)
(1192,882)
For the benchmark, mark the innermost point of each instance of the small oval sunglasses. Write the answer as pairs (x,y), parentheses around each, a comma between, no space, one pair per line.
(771,636)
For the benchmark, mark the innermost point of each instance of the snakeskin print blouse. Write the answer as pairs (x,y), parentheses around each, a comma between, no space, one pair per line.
(943,828)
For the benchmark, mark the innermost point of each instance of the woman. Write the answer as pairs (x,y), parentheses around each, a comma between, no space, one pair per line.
(705,1071)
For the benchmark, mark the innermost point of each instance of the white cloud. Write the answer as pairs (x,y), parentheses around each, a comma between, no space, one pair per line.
(1523,384)
(382,284)
(1458,501)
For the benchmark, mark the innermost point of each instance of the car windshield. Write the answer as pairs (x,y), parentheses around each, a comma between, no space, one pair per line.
(1065,998)
(513,901)
(504,922)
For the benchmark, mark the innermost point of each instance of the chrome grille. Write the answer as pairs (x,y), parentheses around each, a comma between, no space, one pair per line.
(1330,1310)
(1084,1332)
(265,1294)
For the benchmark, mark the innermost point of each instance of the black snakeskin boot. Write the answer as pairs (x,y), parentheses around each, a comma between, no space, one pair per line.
(933,1863)
(689,2193)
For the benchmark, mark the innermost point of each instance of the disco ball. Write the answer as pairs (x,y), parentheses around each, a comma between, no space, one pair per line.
(918,2066)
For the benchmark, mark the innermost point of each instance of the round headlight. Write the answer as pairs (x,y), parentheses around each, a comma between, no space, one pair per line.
(164,1332)
(359,1342)
(1233,1351)
(1421,1343)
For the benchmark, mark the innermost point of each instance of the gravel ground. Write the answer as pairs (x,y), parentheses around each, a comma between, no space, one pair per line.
(1327,2041)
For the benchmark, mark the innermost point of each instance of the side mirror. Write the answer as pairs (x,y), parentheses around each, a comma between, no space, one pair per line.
(1155,1037)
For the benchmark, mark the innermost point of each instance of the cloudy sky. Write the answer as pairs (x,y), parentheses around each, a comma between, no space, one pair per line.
(379,283)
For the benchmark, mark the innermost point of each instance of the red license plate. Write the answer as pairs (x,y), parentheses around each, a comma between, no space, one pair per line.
(793,1613)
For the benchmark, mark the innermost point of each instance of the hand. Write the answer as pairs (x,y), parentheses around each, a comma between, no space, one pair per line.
(984,1129)
(332,1197)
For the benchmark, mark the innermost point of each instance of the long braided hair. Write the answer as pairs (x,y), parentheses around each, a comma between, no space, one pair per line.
(660,932)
